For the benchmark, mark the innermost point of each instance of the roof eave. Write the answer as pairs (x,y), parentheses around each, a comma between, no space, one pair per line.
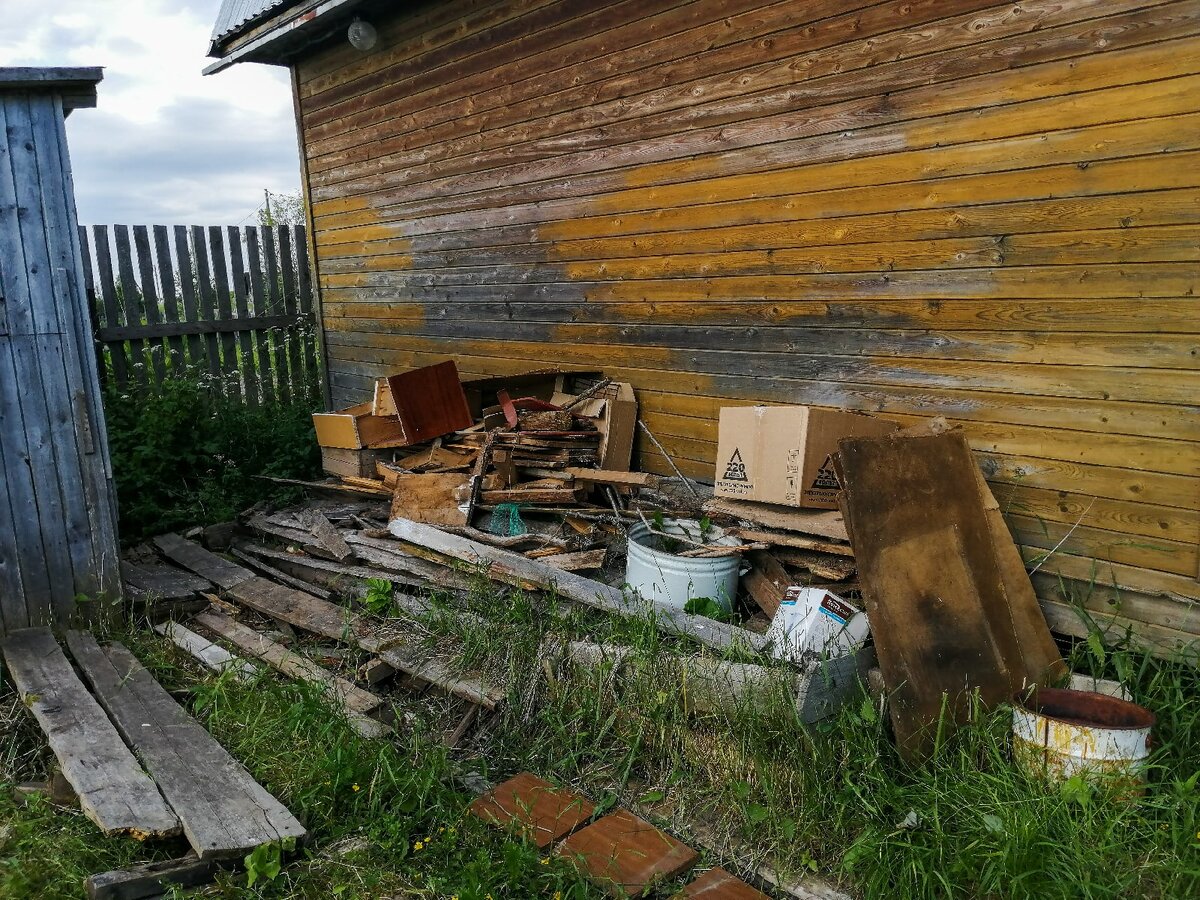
(76,85)
(283,35)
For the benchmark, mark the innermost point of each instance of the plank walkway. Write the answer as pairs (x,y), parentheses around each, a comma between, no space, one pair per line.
(113,790)
(223,810)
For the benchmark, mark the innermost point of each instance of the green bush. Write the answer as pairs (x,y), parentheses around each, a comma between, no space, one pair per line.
(184,454)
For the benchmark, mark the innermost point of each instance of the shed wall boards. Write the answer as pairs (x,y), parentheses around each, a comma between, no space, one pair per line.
(784,454)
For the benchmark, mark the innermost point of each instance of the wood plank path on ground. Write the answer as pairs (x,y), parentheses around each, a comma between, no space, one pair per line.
(113,790)
(223,810)
(329,620)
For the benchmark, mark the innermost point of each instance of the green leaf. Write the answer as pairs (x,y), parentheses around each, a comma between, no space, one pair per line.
(1096,645)
(708,607)
(993,823)
(652,796)
(867,711)
(756,814)
(264,862)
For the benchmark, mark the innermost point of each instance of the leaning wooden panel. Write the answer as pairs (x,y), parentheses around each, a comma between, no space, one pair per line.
(113,790)
(223,810)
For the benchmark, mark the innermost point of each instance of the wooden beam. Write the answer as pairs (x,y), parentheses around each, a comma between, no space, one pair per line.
(513,568)
(216,658)
(204,563)
(151,880)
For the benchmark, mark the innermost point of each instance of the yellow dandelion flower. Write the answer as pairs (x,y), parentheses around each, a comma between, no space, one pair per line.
(419,846)
(545,860)
(355,788)
(558,895)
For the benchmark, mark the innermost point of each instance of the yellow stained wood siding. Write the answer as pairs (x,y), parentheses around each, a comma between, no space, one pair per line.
(985,211)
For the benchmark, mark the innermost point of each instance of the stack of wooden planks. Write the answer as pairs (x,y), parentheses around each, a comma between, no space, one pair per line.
(139,763)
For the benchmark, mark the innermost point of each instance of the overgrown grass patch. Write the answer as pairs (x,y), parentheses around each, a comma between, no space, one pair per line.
(386,817)
(184,453)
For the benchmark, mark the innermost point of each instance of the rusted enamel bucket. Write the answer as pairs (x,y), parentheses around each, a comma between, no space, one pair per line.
(1061,733)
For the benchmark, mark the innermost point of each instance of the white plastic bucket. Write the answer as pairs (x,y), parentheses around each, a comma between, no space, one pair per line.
(1061,733)
(673,580)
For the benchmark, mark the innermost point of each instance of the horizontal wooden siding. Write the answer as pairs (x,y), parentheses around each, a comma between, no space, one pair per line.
(985,211)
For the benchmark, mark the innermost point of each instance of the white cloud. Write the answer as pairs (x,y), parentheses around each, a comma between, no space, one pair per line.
(165,144)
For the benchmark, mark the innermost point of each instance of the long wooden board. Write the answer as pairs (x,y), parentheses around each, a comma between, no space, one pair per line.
(223,810)
(114,791)
(514,568)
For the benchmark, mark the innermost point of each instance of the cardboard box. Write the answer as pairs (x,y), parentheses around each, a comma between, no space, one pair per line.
(784,454)
(812,624)
(615,412)
(355,428)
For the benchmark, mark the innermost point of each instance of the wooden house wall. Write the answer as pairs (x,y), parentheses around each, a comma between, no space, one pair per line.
(930,207)
(57,509)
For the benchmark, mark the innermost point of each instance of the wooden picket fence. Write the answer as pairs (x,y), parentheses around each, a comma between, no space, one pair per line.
(231,304)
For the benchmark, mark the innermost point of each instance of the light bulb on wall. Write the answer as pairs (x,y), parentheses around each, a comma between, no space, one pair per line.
(362,35)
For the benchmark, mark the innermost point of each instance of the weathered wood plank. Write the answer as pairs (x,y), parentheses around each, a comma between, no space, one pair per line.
(162,581)
(149,298)
(144,881)
(245,352)
(207,302)
(231,378)
(515,568)
(113,790)
(216,658)
(170,295)
(108,293)
(196,559)
(355,702)
(223,810)
(304,291)
(275,305)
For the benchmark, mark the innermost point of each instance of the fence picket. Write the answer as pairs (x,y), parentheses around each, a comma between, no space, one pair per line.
(307,318)
(108,295)
(258,302)
(128,291)
(208,301)
(237,274)
(241,312)
(278,336)
(145,263)
(170,297)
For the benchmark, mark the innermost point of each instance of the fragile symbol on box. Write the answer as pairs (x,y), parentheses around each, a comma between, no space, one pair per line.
(736,469)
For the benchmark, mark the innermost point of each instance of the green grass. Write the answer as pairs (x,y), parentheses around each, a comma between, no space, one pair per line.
(831,799)
(386,818)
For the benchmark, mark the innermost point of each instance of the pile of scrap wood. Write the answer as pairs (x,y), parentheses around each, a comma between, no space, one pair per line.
(489,452)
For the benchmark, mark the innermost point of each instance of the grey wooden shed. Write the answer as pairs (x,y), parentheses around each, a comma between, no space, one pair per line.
(58,523)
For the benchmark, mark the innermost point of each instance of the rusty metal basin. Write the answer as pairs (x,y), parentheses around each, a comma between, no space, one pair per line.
(1060,733)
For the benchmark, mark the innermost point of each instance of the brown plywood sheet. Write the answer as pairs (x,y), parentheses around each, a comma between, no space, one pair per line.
(541,812)
(930,580)
(717,884)
(623,852)
(429,402)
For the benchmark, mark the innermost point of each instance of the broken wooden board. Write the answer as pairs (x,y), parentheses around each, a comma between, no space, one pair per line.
(540,812)
(355,703)
(626,855)
(224,811)
(216,658)
(513,568)
(826,523)
(717,884)
(163,582)
(113,790)
(277,575)
(325,535)
(766,582)
(151,880)
(1042,662)
(787,539)
(429,498)
(932,587)
(204,563)
(823,565)
(580,561)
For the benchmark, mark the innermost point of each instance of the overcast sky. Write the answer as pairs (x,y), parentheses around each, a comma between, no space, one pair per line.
(165,145)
